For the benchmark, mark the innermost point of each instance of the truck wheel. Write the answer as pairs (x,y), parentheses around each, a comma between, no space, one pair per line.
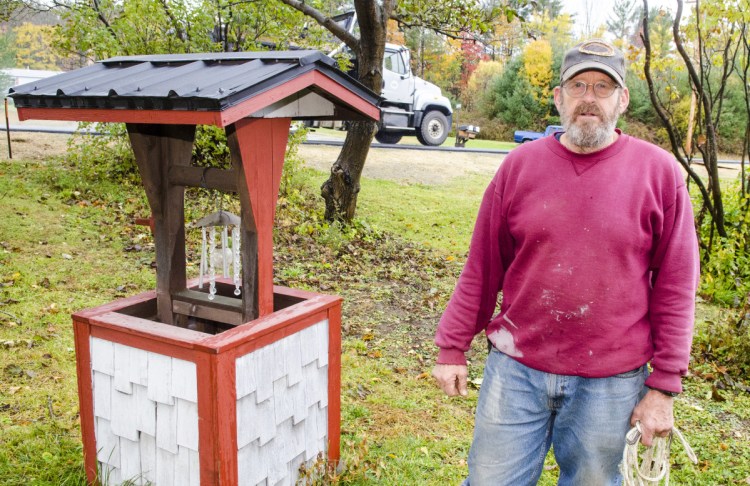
(434,129)
(388,137)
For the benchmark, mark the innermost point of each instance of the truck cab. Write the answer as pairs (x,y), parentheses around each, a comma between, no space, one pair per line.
(410,104)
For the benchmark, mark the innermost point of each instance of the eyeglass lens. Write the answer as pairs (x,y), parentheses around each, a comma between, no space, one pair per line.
(601,89)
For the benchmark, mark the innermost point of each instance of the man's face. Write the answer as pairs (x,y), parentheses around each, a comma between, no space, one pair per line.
(589,121)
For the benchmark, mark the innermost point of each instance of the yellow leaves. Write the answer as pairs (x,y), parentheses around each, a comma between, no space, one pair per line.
(51,309)
(10,280)
(34,47)
(537,67)
(480,80)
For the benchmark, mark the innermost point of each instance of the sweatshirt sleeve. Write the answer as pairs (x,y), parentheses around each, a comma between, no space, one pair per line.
(675,274)
(474,300)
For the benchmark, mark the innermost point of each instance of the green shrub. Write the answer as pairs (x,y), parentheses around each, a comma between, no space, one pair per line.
(106,156)
(725,280)
(109,156)
(726,262)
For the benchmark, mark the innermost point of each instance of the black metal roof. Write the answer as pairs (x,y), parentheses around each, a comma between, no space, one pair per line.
(180,82)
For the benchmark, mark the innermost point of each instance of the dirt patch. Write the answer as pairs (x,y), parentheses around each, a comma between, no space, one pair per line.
(408,166)
(33,145)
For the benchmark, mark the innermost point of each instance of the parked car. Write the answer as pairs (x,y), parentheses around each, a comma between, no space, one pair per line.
(522,136)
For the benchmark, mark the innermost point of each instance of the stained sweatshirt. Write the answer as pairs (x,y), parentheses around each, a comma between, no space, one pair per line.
(596,256)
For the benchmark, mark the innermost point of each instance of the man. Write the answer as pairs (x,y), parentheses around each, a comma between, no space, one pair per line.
(590,236)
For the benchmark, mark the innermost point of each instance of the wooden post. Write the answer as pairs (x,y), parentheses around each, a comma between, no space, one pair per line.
(258,147)
(158,148)
(7,129)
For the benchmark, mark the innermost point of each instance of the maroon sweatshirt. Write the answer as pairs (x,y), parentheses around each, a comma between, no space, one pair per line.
(597,259)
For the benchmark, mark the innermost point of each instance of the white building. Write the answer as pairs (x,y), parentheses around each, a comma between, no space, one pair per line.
(23,76)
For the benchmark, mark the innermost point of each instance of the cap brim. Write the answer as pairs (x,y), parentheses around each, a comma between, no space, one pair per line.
(591,66)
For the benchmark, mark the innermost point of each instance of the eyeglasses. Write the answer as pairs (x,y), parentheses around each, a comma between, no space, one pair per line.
(602,89)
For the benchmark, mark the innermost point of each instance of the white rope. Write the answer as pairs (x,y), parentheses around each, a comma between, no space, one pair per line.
(650,467)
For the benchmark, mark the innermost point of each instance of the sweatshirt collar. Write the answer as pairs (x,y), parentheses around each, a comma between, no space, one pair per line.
(583,162)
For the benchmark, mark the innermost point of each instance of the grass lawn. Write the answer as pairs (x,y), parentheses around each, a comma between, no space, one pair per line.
(67,242)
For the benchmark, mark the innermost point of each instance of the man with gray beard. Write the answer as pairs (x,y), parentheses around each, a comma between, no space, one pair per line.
(589,234)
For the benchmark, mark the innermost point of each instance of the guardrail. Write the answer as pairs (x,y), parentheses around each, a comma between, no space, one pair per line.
(334,143)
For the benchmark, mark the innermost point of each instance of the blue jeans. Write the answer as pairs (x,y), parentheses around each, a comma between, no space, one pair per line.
(522,411)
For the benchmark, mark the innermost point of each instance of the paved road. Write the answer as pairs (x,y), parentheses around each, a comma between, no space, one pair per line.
(318,139)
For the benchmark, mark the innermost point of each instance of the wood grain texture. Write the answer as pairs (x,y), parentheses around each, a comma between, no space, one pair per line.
(157,149)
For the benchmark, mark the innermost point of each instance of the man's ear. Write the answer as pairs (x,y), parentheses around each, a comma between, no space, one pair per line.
(624,100)
(558,97)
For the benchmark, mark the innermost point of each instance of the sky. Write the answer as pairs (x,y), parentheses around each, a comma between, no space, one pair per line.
(600,9)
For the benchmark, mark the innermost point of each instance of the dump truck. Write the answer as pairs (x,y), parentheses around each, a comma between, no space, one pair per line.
(411,105)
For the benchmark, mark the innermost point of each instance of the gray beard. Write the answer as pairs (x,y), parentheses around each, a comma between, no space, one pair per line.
(589,136)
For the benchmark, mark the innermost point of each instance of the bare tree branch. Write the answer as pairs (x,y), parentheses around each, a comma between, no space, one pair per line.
(710,153)
(663,115)
(328,23)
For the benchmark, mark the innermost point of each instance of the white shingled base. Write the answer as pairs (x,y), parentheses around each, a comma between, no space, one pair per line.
(145,416)
(282,407)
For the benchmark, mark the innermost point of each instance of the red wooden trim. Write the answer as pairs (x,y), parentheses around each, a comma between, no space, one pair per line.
(274,335)
(208,449)
(150,222)
(86,314)
(148,343)
(310,78)
(262,144)
(81,333)
(226,410)
(255,330)
(140,329)
(334,384)
(160,117)
(349,97)
(296,293)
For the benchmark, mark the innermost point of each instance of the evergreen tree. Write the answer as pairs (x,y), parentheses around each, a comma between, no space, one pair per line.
(622,18)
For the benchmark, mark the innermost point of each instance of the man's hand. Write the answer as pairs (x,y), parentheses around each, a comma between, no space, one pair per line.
(451,379)
(655,413)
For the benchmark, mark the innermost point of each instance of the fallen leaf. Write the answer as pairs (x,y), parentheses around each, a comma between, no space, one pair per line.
(13,370)
(425,451)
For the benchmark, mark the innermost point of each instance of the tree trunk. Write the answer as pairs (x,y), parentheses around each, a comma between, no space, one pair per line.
(342,187)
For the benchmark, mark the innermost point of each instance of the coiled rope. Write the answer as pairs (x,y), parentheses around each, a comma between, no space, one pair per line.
(652,467)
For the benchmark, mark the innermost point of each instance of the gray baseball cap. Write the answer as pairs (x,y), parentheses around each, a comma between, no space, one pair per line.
(594,55)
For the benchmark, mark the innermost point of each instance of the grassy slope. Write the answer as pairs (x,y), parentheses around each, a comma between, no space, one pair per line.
(66,244)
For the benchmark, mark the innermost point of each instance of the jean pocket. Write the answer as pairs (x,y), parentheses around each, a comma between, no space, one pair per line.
(631,373)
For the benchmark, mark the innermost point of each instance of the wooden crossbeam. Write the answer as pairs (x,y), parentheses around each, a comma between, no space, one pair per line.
(222,309)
